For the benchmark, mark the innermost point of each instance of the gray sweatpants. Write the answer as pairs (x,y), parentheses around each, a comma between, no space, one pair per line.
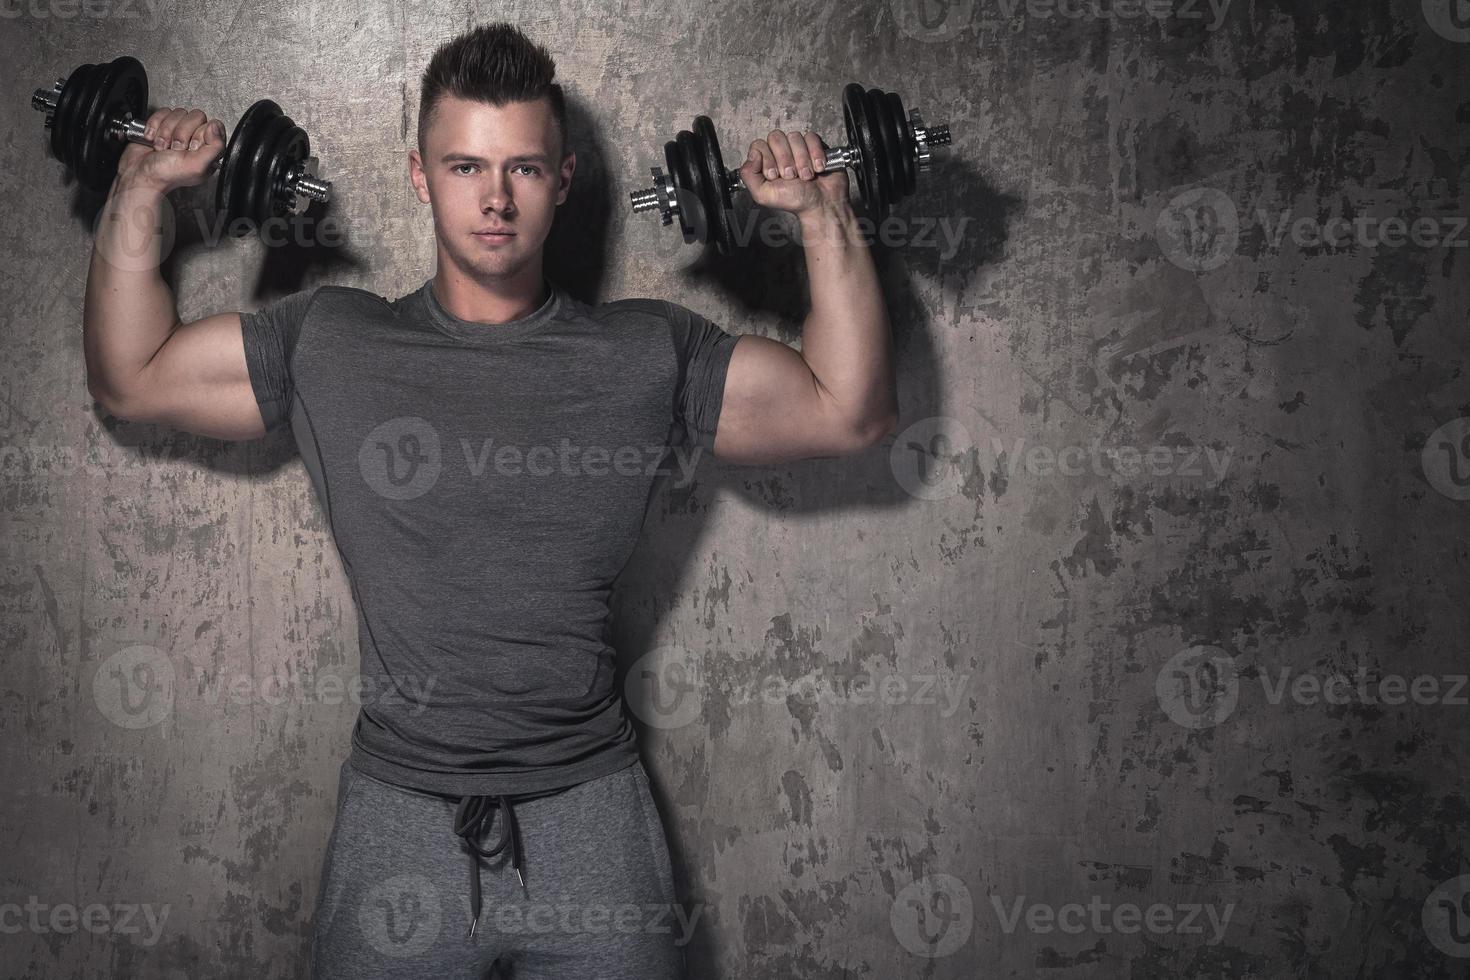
(598,898)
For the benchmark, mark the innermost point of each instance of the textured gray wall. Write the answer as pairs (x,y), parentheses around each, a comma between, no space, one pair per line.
(1038,693)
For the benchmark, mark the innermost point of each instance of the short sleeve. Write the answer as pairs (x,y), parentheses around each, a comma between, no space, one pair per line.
(270,339)
(703,351)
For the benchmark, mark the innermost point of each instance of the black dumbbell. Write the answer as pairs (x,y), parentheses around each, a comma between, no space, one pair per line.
(886,148)
(266,170)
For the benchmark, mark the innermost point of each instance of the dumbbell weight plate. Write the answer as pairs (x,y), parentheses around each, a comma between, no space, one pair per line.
(672,160)
(860,133)
(682,156)
(258,163)
(293,149)
(256,166)
(121,90)
(64,125)
(890,150)
(288,148)
(908,149)
(89,136)
(714,172)
(231,192)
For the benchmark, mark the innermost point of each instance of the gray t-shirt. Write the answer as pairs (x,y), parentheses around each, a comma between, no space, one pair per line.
(485,485)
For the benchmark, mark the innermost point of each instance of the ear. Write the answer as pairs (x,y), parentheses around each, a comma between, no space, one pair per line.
(417,177)
(568,167)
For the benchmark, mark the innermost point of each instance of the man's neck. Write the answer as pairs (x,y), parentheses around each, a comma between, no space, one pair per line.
(498,301)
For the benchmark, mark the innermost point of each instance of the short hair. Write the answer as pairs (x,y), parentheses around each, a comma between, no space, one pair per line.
(492,63)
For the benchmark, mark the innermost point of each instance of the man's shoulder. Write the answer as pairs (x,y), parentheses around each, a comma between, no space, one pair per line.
(332,301)
(628,308)
(357,296)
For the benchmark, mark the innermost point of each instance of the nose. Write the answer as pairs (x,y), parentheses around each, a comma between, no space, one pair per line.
(496,194)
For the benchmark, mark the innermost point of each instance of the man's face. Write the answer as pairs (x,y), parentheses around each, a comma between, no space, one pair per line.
(488,167)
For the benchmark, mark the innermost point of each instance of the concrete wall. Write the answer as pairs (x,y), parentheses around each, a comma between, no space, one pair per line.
(1040,691)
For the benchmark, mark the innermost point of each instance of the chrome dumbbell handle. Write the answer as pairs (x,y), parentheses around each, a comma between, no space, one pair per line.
(301,181)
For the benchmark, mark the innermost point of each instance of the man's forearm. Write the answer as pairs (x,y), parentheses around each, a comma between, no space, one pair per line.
(129,311)
(846,340)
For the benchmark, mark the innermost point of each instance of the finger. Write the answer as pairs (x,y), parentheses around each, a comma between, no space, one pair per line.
(165,137)
(150,128)
(765,160)
(188,132)
(781,149)
(817,150)
(801,158)
(211,137)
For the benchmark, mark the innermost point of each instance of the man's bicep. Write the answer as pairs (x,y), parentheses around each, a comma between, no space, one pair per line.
(198,381)
(774,410)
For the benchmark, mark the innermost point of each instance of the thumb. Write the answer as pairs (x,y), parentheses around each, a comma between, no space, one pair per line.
(213,143)
(751,168)
(214,136)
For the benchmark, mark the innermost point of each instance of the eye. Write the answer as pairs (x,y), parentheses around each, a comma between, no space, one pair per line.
(457,167)
(531,167)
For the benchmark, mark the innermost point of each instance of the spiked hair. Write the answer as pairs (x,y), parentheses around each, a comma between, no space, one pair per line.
(493,63)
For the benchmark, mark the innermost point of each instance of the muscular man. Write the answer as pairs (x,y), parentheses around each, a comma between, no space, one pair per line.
(484,449)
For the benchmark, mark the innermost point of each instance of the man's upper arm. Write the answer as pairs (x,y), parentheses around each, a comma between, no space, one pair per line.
(227,376)
(751,399)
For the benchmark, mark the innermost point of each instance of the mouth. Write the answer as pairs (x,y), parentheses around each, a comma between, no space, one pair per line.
(495,235)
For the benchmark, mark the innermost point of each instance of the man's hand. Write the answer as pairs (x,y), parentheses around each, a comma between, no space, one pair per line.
(784,171)
(185,146)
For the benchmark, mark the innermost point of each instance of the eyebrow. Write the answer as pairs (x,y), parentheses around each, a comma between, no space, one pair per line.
(540,158)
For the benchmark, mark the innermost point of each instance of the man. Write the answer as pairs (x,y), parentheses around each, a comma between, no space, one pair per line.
(481,449)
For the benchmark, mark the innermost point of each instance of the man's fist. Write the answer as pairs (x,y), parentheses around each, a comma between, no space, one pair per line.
(785,171)
(185,145)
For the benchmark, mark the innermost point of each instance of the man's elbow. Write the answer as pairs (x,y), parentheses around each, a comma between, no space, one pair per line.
(113,402)
(868,434)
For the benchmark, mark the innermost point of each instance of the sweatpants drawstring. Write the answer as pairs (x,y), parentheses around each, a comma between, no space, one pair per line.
(473,817)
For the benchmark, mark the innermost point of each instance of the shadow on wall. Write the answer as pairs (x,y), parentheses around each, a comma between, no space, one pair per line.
(771,279)
(955,224)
